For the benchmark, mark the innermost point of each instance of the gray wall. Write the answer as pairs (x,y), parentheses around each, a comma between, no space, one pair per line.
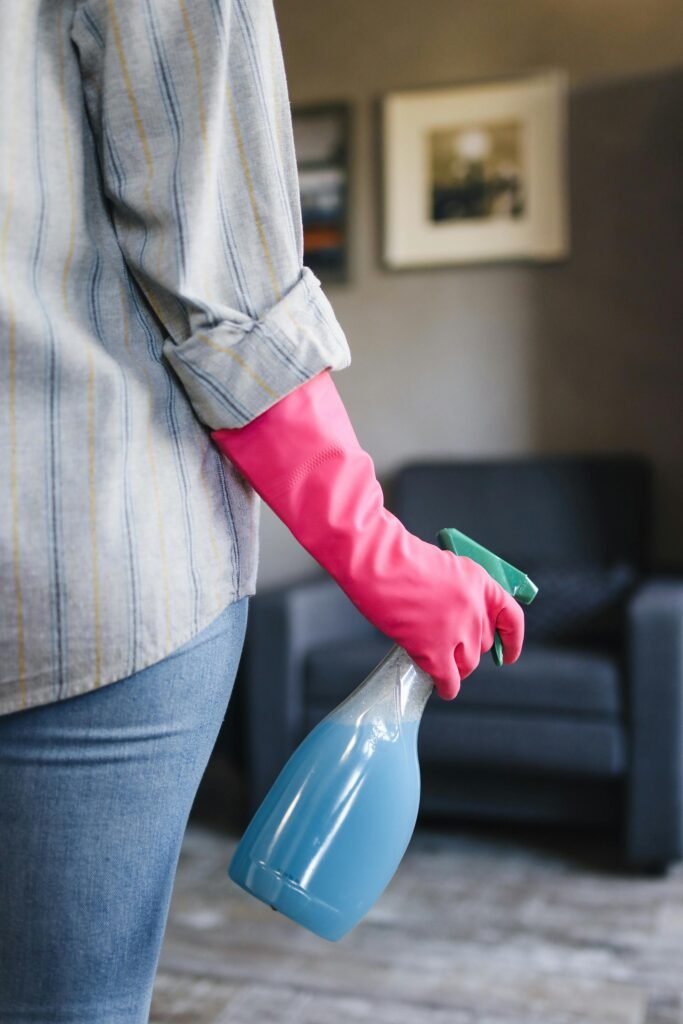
(586,355)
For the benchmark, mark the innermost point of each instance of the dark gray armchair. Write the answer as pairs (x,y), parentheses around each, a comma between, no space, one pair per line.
(588,724)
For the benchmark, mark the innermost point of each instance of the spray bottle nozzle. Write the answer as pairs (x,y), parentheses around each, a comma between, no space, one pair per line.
(511,579)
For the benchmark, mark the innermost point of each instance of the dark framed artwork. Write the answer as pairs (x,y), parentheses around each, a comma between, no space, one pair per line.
(321,141)
(476,172)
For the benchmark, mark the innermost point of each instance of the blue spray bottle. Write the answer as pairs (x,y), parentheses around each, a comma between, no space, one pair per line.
(335,824)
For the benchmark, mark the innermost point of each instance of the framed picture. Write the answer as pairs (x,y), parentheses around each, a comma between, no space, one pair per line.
(476,173)
(321,142)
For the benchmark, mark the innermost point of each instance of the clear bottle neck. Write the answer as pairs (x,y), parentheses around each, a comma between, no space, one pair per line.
(396,690)
(415,687)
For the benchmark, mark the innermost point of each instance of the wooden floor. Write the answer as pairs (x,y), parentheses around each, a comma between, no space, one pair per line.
(480,925)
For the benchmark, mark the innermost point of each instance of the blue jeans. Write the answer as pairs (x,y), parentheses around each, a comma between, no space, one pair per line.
(95,794)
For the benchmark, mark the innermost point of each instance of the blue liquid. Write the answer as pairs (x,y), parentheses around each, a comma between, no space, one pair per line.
(330,834)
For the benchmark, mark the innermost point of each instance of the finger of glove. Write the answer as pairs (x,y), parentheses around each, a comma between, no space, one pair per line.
(449,688)
(442,671)
(488,634)
(510,626)
(447,678)
(466,659)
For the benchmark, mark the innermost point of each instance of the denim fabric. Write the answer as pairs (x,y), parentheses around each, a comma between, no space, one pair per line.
(95,794)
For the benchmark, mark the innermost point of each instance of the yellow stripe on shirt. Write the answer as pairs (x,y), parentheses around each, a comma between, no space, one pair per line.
(142,135)
(228,351)
(252,194)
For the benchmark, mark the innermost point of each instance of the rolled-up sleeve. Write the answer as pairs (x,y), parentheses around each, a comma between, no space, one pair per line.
(190,108)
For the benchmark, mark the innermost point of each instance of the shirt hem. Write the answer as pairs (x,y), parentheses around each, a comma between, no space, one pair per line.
(45,695)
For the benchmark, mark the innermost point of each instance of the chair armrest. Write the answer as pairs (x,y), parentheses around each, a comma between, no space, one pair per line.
(655,713)
(283,625)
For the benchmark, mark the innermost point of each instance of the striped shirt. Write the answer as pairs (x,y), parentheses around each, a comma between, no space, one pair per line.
(152,288)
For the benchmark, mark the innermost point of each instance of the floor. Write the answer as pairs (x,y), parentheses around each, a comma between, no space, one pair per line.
(480,925)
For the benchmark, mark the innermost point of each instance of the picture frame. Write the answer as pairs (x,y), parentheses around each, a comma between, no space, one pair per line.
(476,172)
(322,146)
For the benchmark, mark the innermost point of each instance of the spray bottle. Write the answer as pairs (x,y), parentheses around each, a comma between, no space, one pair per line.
(334,826)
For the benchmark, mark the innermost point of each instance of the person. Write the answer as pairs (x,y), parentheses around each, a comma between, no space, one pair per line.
(167,364)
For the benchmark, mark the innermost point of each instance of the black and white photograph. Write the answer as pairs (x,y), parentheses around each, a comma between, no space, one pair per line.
(476,173)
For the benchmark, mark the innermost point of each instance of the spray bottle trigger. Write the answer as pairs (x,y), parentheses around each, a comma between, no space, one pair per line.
(511,579)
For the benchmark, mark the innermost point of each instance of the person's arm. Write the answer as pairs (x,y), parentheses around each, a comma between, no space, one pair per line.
(189,105)
(190,110)
(303,457)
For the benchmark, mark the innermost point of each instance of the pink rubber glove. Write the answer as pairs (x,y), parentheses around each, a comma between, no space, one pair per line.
(304,459)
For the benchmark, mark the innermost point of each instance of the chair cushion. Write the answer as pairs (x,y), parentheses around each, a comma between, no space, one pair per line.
(560,680)
(548,678)
(522,741)
(579,602)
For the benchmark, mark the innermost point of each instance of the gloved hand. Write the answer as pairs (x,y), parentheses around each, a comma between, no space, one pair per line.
(304,459)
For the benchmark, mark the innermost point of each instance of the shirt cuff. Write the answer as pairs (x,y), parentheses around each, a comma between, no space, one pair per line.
(235,370)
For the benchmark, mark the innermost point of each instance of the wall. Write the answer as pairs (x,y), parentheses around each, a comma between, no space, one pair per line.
(585,355)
